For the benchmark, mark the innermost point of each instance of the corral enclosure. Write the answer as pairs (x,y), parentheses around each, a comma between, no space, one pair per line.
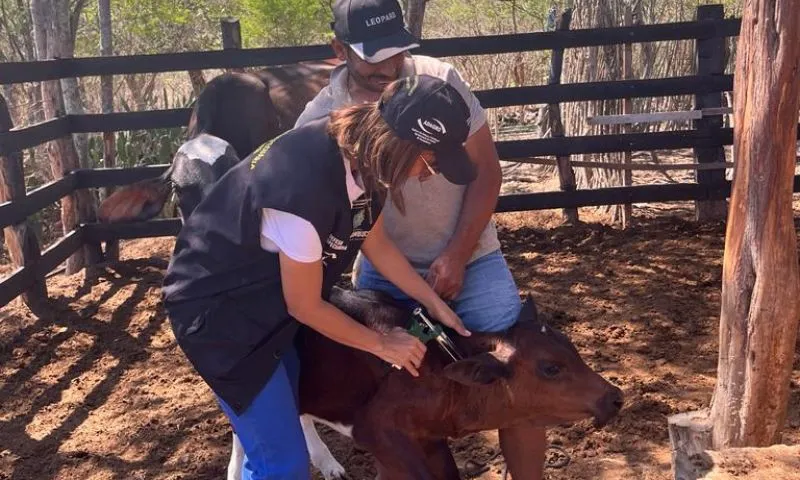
(98,389)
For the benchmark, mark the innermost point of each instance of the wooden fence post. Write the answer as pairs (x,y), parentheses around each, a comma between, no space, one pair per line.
(627,108)
(21,241)
(566,175)
(710,56)
(231,36)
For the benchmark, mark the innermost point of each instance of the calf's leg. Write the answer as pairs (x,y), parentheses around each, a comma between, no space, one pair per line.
(524,447)
(397,456)
(237,457)
(439,460)
(321,456)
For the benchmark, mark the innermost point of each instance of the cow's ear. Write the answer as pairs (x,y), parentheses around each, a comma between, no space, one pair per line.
(482,369)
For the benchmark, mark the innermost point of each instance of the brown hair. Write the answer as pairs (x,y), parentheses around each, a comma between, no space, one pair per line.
(384,160)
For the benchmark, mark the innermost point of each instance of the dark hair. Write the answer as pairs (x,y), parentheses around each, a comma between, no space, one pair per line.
(384,160)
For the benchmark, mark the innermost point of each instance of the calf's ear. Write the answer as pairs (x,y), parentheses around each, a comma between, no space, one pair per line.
(481,369)
(529,312)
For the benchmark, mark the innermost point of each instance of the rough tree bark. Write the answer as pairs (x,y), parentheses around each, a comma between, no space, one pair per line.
(107,104)
(198,81)
(566,175)
(415,15)
(63,33)
(761,286)
(627,108)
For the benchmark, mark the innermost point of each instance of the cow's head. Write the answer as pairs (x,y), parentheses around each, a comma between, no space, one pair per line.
(542,376)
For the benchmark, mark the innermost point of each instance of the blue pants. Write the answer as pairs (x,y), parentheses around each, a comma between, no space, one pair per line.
(488,302)
(270,432)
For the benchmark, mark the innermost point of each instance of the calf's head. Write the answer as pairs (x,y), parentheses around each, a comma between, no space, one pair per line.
(534,372)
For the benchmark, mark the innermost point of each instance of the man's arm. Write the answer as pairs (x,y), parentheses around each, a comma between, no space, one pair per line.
(446,274)
(481,195)
(390,262)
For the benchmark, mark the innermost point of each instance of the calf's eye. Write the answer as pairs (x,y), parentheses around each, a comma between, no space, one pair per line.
(549,370)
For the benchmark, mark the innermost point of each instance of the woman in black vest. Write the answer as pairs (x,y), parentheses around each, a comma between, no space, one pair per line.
(260,254)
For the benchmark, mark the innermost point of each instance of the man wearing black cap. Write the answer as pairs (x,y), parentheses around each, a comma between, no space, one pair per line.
(446,230)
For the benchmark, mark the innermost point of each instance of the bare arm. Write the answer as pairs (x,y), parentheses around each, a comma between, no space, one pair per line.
(381,251)
(480,198)
(302,287)
(446,274)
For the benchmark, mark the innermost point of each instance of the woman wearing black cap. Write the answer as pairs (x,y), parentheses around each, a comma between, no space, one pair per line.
(260,254)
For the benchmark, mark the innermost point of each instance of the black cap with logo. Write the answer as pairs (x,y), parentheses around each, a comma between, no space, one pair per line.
(430,112)
(374,29)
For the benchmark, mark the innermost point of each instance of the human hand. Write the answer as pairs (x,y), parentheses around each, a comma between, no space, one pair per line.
(445,315)
(402,350)
(446,276)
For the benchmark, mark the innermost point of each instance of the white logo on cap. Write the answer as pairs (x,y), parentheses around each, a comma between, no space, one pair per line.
(371,22)
(429,130)
(432,124)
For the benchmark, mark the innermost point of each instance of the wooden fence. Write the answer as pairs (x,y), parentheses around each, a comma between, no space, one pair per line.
(710,29)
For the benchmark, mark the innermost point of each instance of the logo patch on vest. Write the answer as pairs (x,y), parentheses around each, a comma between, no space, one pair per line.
(361,218)
(261,151)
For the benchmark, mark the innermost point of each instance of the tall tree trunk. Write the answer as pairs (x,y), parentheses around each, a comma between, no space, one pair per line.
(415,15)
(64,35)
(601,63)
(79,206)
(761,287)
(40,21)
(198,81)
(107,101)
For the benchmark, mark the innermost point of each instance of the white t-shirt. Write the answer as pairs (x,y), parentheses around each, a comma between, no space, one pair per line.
(295,236)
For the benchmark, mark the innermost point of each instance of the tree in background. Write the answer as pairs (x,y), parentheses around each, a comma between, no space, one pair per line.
(273,23)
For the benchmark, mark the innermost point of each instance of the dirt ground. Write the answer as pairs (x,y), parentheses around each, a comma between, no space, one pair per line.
(100,391)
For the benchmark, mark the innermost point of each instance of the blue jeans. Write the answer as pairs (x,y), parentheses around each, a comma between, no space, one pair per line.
(269,429)
(488,302)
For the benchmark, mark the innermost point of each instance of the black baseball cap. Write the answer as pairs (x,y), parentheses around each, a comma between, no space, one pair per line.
(374,29)
(430,112)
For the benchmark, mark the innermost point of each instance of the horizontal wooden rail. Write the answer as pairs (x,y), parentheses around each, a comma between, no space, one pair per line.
(33,136)
(14,284)
(17,72)
(618,196)
(590,37)
(116,122)
(630,142)
(101,232)
(572,92)
(22,278)
(625,166)
(18,210)
(114,177)
(14,212)
(655,117)
(608,90)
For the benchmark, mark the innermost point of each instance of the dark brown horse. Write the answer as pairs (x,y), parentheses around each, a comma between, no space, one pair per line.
(233,115)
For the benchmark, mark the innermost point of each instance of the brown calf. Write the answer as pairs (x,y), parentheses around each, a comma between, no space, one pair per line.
(530,373)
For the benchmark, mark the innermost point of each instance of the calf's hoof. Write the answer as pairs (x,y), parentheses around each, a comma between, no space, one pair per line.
(329,467)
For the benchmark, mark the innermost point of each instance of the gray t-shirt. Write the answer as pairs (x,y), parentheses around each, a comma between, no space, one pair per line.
(432,206)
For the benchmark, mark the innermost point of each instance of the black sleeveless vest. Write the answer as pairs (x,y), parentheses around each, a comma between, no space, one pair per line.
(223,291)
